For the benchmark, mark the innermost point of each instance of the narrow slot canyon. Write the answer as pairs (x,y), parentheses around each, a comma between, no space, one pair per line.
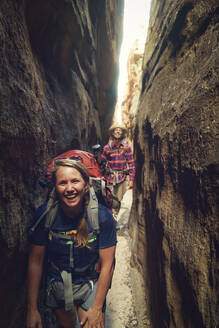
(59,73)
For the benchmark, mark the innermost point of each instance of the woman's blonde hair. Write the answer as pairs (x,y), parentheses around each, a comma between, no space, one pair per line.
(82,229)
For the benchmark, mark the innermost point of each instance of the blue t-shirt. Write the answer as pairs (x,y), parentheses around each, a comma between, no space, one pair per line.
(59,249)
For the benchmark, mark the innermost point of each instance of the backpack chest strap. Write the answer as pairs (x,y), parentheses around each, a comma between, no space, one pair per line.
(61,236)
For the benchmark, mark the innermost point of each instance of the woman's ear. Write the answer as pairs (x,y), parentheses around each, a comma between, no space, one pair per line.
(86,188)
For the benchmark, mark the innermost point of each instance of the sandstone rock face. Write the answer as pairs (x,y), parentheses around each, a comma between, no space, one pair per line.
(175,212)
(133,87)
(58,77)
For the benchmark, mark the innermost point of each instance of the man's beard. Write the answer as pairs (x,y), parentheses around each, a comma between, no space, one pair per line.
(120,138)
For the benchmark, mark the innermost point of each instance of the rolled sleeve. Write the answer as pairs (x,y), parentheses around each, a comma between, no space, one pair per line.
(108,237)
(39,236)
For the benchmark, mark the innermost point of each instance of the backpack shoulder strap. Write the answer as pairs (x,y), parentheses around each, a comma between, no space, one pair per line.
(92,210)
(33,228)
(50,213)
(50,216)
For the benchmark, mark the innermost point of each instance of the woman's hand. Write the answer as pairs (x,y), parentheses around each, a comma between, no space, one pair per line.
(34,319)
(130,184)
(94,318)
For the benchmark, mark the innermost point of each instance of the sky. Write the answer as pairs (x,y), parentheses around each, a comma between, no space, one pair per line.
(136,17)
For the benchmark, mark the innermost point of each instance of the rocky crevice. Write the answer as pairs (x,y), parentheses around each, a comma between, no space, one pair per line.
(58,77)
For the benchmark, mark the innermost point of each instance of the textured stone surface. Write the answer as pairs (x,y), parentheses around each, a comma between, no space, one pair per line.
(175,211)
(133,86)
(58,77)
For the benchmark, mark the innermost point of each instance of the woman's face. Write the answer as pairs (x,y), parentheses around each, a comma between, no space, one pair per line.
(71,189)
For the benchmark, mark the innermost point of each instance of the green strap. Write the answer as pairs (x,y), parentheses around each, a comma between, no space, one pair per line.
(46,213)
(50,217)
(62,236)
(71,260)
(92,210)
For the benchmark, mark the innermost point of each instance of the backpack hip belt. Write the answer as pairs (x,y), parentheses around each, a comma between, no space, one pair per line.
(116,175)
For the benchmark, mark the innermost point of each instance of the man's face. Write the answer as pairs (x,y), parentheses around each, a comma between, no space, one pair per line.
(117,133)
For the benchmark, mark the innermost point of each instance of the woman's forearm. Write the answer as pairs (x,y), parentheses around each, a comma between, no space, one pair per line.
(35,268)
(34,278)
(107,258)
(103,285)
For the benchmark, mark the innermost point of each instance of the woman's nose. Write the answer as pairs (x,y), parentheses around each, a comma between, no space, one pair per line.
(69,186)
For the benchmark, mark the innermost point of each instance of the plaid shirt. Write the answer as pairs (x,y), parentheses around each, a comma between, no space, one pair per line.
(118,161)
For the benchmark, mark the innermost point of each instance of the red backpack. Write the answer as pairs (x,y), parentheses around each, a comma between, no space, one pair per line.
(86,158)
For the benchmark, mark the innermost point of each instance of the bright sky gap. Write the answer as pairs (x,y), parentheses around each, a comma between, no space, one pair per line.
(136,17)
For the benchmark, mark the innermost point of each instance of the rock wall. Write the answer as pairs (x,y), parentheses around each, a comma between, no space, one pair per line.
(133,86)
(175,211)
(58,78)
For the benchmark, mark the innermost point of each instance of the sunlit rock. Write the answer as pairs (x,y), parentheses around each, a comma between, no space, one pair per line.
(133,86)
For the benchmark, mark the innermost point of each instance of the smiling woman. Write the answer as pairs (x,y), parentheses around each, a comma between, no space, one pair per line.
(75,252)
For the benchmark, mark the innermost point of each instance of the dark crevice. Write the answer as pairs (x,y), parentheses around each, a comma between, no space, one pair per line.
(145,79)
(157,72)
(158,162)
(175,36)
(155,263)
(93,139)
(147,132)
(139,162)
(147,75)
(203,26)
(190,309)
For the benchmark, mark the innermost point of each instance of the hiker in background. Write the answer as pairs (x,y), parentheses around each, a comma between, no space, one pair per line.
(74,252)
(117,159)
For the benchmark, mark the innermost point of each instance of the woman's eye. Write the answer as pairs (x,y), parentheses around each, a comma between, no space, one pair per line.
(74,181)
